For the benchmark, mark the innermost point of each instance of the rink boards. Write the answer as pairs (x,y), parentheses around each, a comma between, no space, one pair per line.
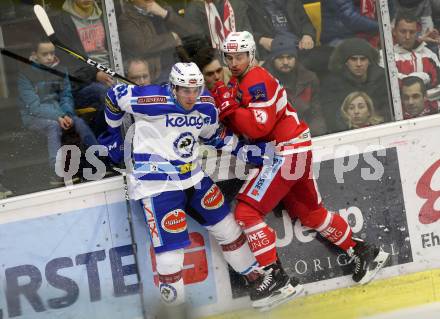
(68,253)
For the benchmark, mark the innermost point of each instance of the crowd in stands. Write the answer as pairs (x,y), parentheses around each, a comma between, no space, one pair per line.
(331,67)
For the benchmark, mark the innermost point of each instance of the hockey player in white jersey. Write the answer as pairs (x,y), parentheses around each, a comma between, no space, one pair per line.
(170,120)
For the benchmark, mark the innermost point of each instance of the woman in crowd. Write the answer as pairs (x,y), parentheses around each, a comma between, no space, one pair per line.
(357,110)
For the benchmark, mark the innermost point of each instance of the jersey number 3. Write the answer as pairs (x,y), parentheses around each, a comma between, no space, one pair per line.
(122,91)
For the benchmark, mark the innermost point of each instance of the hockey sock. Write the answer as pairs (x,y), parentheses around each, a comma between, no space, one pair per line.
(336,230)
(172,289)
(261,238)
(234,246)
(169,269)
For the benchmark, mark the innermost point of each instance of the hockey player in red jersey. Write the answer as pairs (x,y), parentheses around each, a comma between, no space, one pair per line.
(255,106)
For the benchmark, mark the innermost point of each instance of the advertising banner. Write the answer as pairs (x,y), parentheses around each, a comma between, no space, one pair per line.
(419,164)
(72,264)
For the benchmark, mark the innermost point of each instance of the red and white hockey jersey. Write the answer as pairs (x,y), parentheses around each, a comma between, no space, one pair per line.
(265,114)
(421,62)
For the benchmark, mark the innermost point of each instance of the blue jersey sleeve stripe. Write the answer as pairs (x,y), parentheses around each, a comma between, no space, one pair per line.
(112,116)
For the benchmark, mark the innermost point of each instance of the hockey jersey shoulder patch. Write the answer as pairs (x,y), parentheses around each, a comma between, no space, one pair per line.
(258,92)
(261,116)
(154,99)
(150,94)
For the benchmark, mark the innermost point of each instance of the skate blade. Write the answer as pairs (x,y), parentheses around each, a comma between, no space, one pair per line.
(380,260)
(286,294)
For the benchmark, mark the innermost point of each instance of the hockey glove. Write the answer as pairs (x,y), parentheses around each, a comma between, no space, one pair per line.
(112,140)
(258,154)
(225,99)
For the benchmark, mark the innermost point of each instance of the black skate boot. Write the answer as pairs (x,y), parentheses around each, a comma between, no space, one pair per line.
(274,288)
(367,260)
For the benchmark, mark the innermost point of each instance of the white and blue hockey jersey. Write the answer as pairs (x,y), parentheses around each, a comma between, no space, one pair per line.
(166,136)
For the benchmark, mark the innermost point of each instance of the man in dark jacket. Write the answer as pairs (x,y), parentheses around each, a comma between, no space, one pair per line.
(302,85)
(353,67)
(342,19)
(80,26)
(274,18)
(154,32)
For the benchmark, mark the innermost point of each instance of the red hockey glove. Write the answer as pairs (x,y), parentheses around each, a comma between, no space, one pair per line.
(225,99)
(217,90)
(233,86)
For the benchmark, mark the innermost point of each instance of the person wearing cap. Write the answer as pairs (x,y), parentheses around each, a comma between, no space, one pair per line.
(353,67)
(301,84)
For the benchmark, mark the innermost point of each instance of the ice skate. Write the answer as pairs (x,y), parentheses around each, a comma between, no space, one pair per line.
(368,260)
(274,288)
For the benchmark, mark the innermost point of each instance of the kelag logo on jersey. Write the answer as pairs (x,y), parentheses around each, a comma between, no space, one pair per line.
(188,121)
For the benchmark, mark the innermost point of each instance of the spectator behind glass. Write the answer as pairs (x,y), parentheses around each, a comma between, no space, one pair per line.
(46,102)
(154,31)
(414,101)
(342,19)
(358,111)
(80,26)
(435,8)
(208,61)
(422,10)
(217,18)
(413,57)
(138,71)
(275,18)
(302,85)
(353,67)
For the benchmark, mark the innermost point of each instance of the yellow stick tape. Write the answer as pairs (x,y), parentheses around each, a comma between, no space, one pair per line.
(355,302)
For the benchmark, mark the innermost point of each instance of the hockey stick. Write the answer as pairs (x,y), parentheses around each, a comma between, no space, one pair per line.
(48,29)
(19,58)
